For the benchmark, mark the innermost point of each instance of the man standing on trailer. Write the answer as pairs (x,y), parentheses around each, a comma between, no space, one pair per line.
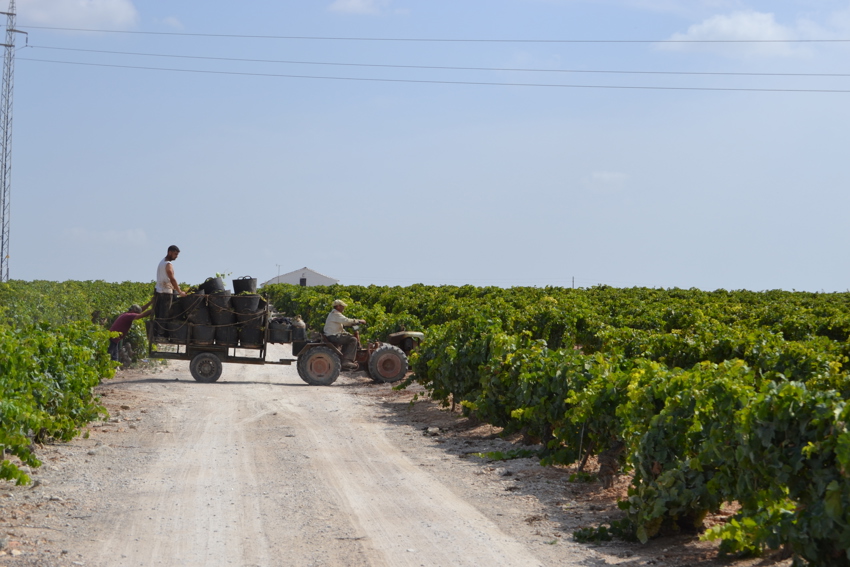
(335,331)
(166,288)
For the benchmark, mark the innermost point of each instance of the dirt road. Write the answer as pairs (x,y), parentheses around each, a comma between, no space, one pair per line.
(260,469)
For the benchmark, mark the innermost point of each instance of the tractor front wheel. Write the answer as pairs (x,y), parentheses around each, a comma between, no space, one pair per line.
(387,364)
(318,366)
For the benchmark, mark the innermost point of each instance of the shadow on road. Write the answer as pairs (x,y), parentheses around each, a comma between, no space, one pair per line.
(211,385)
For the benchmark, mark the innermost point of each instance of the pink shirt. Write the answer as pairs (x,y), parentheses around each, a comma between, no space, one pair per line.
(122,324)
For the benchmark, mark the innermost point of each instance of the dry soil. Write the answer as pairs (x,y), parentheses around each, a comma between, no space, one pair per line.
(260,469)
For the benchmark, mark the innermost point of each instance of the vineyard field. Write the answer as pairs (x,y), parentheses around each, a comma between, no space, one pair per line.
(53,340)
(706,398)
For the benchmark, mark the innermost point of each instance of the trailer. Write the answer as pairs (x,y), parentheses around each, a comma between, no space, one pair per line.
(205,357)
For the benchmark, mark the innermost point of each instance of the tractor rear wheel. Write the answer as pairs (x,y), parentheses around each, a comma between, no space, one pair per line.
(205,367)
(387,364)
(318,366)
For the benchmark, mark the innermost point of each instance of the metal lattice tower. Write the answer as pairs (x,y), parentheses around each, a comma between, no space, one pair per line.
(6,138)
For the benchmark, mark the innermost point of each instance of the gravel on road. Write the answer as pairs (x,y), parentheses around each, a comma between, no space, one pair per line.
(261,469)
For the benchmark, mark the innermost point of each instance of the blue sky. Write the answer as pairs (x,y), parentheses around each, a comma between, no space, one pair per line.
(394,183)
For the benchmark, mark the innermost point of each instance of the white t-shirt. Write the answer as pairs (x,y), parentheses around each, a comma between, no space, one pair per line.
(163,283)
(336,323)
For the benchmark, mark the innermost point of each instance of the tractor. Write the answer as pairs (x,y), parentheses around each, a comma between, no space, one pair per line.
(320,361)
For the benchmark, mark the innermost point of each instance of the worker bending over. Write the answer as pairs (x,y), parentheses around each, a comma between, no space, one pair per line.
(122,326)
(335,331)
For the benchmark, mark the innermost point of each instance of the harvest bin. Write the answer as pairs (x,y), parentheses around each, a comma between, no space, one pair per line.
(245,284)
(280,332)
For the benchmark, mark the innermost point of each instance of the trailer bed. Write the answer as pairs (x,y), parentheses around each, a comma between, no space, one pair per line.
(169,349)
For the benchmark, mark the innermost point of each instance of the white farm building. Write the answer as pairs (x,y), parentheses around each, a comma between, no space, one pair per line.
(305,276)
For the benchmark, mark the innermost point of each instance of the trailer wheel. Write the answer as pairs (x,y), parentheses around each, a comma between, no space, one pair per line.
(318,366)
(387,364)
(205,367)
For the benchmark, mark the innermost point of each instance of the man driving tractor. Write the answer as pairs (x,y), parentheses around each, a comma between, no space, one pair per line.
(335,331)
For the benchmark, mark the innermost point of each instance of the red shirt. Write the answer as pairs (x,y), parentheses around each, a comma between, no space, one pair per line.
(122,324)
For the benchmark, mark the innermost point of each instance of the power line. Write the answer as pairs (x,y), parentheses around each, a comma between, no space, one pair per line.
(424,81)
(442,40)
(440,67)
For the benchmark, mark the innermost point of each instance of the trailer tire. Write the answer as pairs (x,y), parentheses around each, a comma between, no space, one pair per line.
(387,364)
(205,367)
(318,366)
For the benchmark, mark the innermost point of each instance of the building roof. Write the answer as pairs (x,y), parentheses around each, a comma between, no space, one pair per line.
(300,271)
(306,269)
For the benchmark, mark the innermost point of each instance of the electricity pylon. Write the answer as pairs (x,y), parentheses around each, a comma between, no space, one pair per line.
(6,138)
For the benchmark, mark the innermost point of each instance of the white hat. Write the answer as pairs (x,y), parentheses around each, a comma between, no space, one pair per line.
(339,303)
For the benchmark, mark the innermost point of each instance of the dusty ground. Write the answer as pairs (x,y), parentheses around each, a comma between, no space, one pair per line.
(262,469)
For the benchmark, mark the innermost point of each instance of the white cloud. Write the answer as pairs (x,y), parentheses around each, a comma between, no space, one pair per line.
(359,6)
(605,181)
(173,22)
(744,25)
(119,14)
(131,236)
